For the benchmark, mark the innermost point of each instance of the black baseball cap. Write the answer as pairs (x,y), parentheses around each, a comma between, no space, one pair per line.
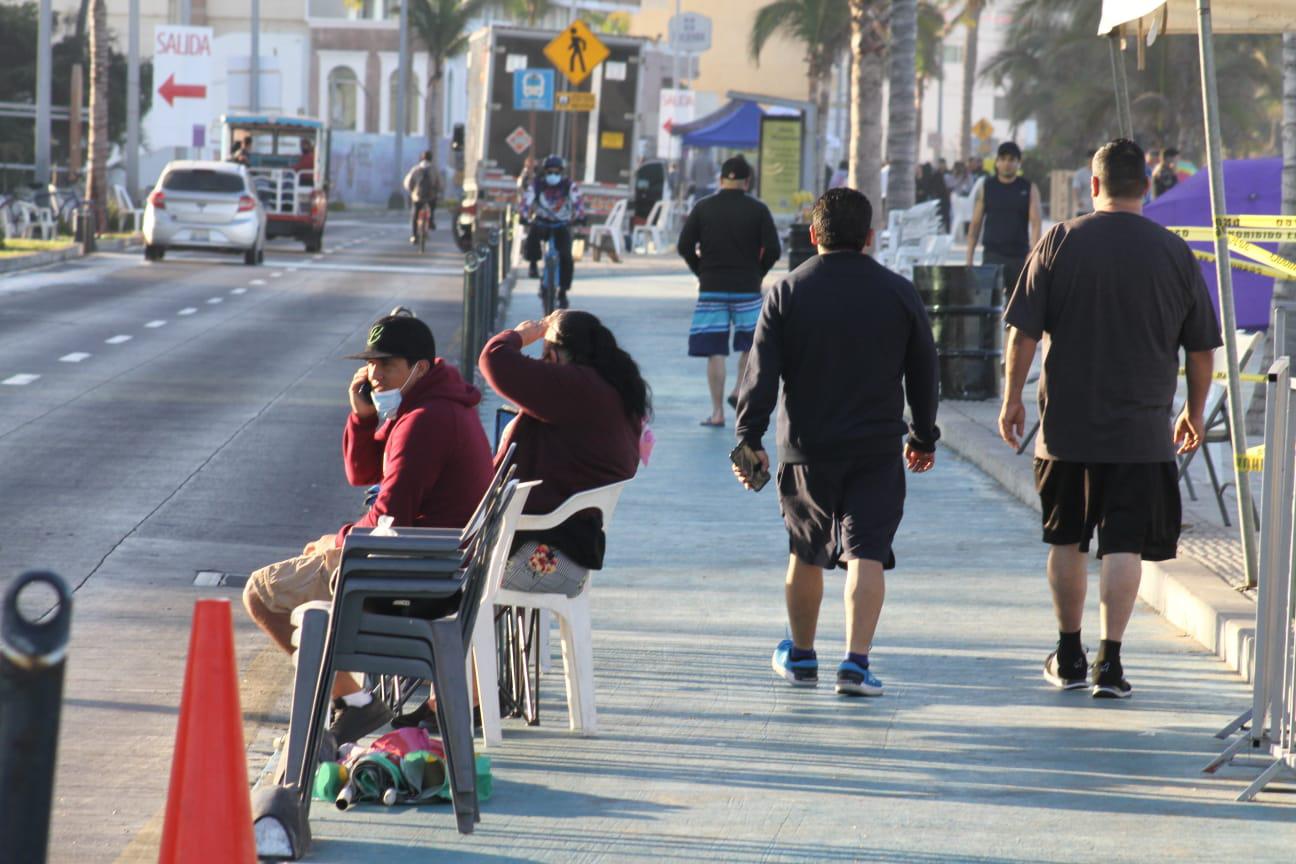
(398,336)
(735,168)
(1010,149)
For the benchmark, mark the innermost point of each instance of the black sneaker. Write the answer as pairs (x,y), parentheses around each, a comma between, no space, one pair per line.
(425,717)
(533,271)
(1070,674)
(1109,682)
(350,723)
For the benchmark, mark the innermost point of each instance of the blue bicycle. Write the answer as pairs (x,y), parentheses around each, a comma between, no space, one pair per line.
(551,275)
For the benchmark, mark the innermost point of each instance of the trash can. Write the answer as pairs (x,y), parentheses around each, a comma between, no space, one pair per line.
(799,248)
(83,227)
(965,305)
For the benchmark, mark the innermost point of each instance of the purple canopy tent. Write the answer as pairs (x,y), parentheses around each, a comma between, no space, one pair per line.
(1251,186)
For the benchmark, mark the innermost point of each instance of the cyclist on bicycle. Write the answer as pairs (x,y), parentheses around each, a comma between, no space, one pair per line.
(553,202)
(423,183)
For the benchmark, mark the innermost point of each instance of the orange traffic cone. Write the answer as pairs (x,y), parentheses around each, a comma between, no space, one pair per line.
(209,805)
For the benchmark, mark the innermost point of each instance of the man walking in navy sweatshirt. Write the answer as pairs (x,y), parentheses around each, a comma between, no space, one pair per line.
(850,341)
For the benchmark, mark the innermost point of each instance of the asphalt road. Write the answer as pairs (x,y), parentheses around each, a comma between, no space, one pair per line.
(158,420)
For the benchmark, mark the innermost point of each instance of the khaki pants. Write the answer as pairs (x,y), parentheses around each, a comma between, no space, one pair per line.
(285,585)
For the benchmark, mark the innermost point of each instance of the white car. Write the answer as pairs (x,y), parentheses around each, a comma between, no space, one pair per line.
(205,206)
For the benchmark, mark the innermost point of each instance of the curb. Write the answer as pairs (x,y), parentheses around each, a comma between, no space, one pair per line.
(1183,591)
(45,259)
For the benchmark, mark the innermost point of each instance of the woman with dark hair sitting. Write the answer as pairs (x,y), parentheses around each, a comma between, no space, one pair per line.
(582,408)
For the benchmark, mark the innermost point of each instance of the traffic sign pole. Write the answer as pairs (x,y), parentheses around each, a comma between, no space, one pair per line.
(132,101)
(254,68)
(44,69)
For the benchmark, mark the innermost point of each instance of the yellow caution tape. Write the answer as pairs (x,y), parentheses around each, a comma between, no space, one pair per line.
(1223,376)
(1256,220)
(1202,234)
(1264,256)
(1253,461)
(1239,264)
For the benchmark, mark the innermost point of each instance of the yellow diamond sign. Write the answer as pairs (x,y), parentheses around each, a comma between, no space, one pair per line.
(576,51)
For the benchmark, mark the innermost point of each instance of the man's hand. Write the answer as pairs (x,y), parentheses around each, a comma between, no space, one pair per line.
(323,544)
(361,405)
(763,458)
(1189,432)
(531,331)
(1012,421)
(917,461)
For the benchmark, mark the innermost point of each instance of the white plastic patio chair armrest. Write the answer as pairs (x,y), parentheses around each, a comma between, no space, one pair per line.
(603,498)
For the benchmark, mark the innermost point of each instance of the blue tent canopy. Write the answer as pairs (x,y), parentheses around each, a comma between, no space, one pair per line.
(736,125)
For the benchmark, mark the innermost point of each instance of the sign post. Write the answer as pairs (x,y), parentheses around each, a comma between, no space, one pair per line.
(182,61)
(779,167)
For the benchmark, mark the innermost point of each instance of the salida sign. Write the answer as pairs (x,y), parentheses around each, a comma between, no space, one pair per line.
(182,60)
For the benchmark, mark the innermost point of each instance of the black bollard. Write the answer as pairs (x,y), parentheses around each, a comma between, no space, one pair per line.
(32,656)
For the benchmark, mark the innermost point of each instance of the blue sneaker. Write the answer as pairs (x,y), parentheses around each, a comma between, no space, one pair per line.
(855,680)
(798,673)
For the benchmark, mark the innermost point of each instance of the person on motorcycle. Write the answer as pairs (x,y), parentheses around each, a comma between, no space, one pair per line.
(423,183)
(553,203)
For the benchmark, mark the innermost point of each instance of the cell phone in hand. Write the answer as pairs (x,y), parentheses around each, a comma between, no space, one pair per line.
(745,459)
(365,389)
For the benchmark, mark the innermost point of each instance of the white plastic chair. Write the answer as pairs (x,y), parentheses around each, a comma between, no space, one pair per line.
(613,227)
(131,215)
(960,215)
(651,235)
(573,615)
(34,220)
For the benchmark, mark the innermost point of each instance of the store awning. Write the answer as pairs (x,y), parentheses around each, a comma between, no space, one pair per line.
(1154,17)
(735,125)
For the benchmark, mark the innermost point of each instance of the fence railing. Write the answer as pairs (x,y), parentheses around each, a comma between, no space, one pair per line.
(486,268)
(1269,726)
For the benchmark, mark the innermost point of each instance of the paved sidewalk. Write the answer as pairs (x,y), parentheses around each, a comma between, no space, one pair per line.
(704,756)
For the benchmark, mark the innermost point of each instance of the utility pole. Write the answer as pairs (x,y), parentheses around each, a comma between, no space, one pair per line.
(402,88)
(254,70)
(133,100)
(44,59)
(675,85)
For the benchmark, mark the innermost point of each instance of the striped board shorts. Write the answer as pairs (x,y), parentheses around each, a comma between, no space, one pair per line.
(714,315)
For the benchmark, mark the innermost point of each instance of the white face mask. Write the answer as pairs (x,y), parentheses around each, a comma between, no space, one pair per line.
(387,402)
(552,179)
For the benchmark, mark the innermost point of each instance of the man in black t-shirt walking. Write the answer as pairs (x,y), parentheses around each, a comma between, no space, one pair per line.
(1008,206)
(1118,297)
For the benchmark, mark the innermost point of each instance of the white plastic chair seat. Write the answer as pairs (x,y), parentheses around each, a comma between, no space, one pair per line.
(652,233)
(573,615)
(613,228)
(131,215)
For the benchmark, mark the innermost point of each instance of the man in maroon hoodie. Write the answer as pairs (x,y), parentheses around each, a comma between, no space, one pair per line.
(413,429)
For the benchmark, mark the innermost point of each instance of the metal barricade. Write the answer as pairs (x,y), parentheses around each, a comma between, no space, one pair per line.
(1270,739)
(32,657)
(481,295)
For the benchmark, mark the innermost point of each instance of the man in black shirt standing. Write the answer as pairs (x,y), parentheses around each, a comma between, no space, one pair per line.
(738,244)
(1008,205)
(1118,296)
(850,340)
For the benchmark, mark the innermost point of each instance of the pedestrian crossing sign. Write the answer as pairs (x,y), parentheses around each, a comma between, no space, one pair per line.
(575,51)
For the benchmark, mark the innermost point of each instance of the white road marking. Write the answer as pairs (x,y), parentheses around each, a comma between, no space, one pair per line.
(188,310)
(153,325)
(257,282)
(215,300)
(385,268)
(275,275)
(74,357)
(317,257)
(21,380)
(238,290)
(292,269)
(119,339)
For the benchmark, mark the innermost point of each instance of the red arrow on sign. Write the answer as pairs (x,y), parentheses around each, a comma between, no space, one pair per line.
(171,91)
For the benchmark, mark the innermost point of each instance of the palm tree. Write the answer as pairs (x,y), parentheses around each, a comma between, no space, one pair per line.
(867,44)
(530,11)
(97,183)
(1050,39)
(821,27)
(443,27)
(928,62)
(970,17)
(902,113)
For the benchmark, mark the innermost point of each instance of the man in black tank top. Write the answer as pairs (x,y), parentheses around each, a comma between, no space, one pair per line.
(1008,205)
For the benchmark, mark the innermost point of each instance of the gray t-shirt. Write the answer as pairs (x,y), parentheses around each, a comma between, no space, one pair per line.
(1114,296)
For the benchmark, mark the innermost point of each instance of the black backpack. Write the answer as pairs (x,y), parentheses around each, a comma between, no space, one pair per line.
(426,185)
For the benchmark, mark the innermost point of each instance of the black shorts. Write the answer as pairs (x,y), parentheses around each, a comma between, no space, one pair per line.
(1134,506)
(840,511)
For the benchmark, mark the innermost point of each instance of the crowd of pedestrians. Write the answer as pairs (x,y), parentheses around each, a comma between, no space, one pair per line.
(840,347)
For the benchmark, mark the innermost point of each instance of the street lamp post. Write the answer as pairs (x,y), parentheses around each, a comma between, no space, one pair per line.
(254,71)
(132,100)
(402,88)
(44,59)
